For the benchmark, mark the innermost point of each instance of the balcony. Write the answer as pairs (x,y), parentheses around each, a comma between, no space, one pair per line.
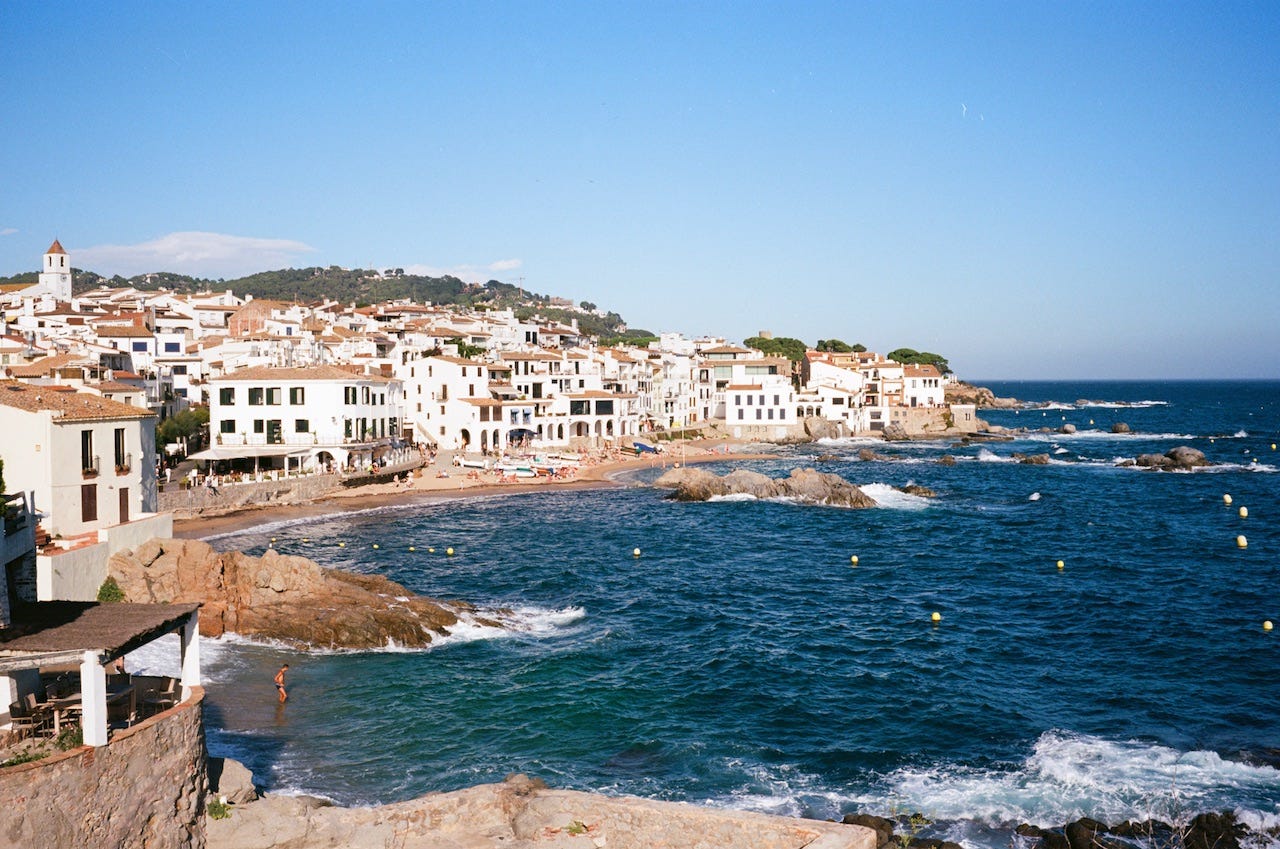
(89,466)
(124,462)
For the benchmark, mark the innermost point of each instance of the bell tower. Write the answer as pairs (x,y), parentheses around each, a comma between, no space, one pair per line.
(55,274)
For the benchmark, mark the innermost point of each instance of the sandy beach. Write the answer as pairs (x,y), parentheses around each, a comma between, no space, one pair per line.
(429,486)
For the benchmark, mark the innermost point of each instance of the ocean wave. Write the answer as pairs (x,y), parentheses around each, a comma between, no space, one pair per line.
(888,497)
(512,622)
(1068,776)
(734,496)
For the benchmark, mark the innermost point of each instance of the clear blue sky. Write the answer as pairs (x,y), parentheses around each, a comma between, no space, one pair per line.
(1034,190)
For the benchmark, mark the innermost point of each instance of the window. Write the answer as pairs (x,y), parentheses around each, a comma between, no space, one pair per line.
(740,413)
(759,413)
(775,400)
(364,394)
(172,347)
(297,395)
(179,369)
(88,463)
(346,428)
(89,502)
(348,395)
(121,461)
(227,396)
(273,395)
(770,412)
(301,426)
(255,396)
(140,347)
(259,426)
(227,426)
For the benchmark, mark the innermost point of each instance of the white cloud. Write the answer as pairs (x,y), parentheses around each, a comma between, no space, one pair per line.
(8,231)
(195,253)
(465,273)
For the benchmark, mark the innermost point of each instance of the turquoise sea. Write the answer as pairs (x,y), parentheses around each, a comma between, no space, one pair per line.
(742,661)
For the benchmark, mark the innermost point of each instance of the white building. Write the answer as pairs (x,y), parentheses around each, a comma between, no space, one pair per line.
(303,417)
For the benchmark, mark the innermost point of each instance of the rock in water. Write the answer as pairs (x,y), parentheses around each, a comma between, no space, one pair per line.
(806,485)
(280,597)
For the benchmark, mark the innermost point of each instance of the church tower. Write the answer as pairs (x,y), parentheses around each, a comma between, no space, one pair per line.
(55,275)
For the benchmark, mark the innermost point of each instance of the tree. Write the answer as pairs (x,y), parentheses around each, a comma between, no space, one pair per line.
(181,425)
(782,346)
(588,306)
(835,346)
(910,356)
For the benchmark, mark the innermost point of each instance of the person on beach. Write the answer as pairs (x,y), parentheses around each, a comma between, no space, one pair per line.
(280,683)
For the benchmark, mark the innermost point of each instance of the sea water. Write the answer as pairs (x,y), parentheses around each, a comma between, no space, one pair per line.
(743,661)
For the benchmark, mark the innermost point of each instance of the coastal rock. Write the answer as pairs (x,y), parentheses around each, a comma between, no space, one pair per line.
(1180,458)
(1120,427)
(1214,831)
(518,813)
(806,485)
(819,428)
(828,458)
(280,597)
(894,432)
(882,826)
(1032,459)
(1067,428)
(866,455)
(231,779)
(980,396)
(918,490)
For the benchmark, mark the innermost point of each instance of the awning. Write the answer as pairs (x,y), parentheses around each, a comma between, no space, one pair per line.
(233,452)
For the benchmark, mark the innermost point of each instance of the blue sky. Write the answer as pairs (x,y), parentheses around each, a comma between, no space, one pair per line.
(1033,190)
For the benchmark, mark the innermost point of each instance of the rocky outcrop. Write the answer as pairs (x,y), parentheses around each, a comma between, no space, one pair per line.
(1205,831)
(807,485)
(1181,458)
(980,396)
(819,428)
(1120,427)
(894,432)
(231,781)
(518,813)
(1032,459)
(280,597)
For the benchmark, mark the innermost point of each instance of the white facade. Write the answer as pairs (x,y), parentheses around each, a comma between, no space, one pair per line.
(87,462)
(327,414)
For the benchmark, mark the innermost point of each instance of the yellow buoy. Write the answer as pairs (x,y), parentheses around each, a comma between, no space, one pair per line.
(1266,626)
(1244,512)
(411,548)
(449,551)
(431,551)
(1061,565)
(1090,421)
(854,559)
(342,545)
(635,552)
(1241,542)
(375,545)
(273,539)
(1226,499)
(306,539)
(935,616)
(1273,446)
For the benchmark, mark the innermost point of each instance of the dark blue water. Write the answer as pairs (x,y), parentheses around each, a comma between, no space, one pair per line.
(743,661)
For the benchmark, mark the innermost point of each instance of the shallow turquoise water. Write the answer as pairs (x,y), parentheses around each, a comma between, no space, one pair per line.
(742,661)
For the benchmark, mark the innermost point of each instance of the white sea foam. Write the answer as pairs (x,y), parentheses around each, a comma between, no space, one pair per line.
(1068,776)
(734,496)
(511,622)
(987,456)
(893,499)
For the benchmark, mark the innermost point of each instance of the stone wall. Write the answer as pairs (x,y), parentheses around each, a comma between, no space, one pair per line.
(198,501)
(145,790)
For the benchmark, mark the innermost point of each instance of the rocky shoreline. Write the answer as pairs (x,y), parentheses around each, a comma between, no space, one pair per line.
(281,597)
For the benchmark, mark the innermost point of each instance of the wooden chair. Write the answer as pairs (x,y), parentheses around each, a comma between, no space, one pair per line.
(158,700)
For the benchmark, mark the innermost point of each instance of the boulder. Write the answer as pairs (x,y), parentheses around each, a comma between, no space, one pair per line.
(880,825)
(1214,831)
(917,489)
(894,432)
(946,460)
(806,485)
(866,455)
(1120,427)
(819,428)
(1180,458)
(1033,459)
(1067,428)
(281,597)
(231,779)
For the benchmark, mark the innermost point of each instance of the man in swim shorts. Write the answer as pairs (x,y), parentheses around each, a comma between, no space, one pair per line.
(280,683)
